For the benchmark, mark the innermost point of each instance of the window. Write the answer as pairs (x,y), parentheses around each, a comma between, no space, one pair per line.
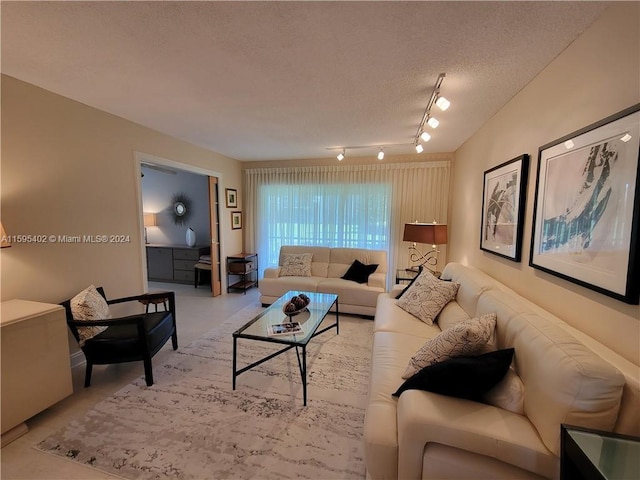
(331,215)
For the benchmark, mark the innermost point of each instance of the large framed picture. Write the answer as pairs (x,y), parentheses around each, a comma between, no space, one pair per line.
(503,205)
(587,207)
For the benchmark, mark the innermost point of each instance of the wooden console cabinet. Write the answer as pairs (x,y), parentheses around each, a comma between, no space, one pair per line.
(36,365)
(173,263)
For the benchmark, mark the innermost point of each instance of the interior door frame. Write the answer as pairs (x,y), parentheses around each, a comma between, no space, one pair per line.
(138,159)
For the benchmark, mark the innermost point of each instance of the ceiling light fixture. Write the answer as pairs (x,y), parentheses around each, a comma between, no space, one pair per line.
(421,134)
(433,122)
(443,103)
(427,118)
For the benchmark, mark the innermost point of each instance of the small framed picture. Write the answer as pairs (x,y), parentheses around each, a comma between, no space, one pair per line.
(232,197)
(236,220)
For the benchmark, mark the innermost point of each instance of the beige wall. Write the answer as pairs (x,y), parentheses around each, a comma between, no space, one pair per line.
(68,169)
(598,75)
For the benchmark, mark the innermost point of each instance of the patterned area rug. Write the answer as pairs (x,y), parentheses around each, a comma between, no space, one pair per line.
(191,425)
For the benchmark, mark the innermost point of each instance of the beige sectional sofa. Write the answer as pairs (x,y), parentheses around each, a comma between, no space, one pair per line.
(568,378)
(327,266)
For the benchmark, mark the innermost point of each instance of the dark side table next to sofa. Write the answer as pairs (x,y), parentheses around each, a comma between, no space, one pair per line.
(593,454)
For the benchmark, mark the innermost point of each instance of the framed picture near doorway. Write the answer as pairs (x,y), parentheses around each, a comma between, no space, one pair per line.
(231,197)
(236,220)
(587,207)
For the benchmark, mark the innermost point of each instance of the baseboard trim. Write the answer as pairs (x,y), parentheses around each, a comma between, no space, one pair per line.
(13,434)
(77,359)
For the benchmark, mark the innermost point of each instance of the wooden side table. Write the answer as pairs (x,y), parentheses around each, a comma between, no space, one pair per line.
(242,271)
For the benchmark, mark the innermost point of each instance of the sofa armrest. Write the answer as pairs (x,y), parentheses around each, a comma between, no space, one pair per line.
(272,272)
(396,289)
(425,417)
(378,280)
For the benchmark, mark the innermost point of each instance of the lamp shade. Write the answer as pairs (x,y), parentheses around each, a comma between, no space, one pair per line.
(4,243)
(150,220)
(433,233)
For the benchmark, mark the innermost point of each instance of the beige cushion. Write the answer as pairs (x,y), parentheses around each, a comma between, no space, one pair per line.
(508,394)
(451,314)
(465,338)
(426,297)
(89,305)
(296,265)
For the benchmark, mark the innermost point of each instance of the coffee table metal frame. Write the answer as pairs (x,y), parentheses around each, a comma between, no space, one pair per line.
(256,329)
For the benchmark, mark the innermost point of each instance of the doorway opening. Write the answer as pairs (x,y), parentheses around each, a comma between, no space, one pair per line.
(179,208)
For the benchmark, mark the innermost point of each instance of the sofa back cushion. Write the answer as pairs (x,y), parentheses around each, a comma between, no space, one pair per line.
(472,283)
(319,261)
(565,382)
(340,260)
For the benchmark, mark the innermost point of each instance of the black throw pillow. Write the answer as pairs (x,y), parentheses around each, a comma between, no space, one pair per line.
(359,272)
(467,377)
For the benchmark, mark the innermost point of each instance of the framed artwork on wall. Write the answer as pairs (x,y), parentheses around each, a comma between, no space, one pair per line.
(236,220)
(587,207)
(231,197)
(503,205)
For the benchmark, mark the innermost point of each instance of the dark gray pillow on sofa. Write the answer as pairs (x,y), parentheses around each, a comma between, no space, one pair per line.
(463,377)
(359,272)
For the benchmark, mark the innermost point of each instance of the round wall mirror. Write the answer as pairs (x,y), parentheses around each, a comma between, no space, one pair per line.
(179,208)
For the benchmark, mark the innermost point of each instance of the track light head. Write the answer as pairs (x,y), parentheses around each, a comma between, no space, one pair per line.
(419,148)
(425,136)
(380,154)
(433,122)
(340,156)
(443,103)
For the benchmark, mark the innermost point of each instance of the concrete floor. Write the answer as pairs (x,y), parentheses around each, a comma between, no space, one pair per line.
(197,312)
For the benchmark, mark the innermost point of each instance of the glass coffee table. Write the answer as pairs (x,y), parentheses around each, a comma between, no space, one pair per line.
(310,320)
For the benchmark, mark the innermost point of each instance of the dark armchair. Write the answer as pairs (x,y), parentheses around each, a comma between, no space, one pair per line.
(128,339)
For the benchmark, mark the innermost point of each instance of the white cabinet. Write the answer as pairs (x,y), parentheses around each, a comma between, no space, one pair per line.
(36,367)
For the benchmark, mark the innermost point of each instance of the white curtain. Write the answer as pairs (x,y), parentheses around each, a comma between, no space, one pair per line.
(364,206)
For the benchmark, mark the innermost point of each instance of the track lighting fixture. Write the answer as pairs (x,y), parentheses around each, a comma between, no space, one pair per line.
(421,134)
(436,99)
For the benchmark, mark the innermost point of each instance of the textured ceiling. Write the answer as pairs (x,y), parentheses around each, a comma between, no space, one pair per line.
(287,80)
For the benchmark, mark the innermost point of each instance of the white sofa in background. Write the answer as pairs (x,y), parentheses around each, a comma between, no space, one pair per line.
(568,378)
(327,266)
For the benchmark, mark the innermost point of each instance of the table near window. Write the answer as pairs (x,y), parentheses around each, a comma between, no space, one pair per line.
(593,454)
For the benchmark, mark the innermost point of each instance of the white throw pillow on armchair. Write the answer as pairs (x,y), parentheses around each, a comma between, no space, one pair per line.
(89,305)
